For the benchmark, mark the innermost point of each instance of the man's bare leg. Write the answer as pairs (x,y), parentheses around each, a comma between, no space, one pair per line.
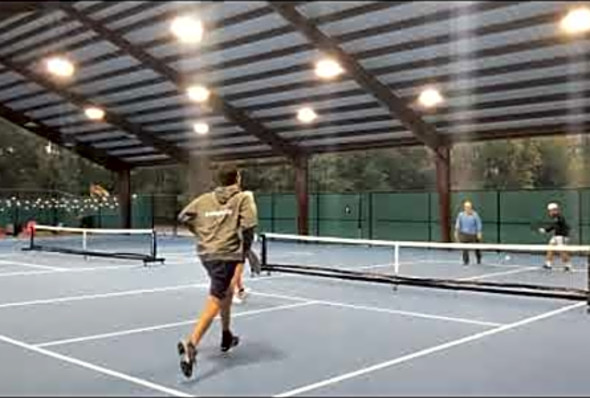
(238,281)
(566,260)
(225,310)
(188,349)
(212,308)
(549,260)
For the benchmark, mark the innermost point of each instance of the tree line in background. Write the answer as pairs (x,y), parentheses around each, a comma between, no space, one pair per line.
(28,162)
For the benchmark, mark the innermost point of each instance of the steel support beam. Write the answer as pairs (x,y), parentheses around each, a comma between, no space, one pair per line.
(443,188)
(124,194)
(396,106)
(9,8)
(146,137)
(96,155)
(217,103)
(301,165)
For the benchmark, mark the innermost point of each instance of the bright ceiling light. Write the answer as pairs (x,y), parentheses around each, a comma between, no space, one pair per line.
(306,115)
(328,69)
(60,67)
(576,21)
(201,128)
(198,93)
(187,29)
(430,98)
(94,113)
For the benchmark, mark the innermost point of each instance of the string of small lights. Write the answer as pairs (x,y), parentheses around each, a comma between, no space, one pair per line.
(67,204)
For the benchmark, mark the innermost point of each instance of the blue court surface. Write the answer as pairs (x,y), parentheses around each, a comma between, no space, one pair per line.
(75,326)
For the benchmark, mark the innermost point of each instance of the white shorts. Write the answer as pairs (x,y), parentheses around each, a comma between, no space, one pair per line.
(559,240)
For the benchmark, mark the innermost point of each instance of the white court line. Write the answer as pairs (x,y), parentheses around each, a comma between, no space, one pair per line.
(485,264)
(101,295)
(96,368)
(168,325)
(378,309)
(491,275)
(498,265)
(69,270)
(427,351)
(29,265)
(294,253)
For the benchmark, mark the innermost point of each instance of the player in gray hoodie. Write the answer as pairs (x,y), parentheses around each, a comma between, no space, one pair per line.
(223,222)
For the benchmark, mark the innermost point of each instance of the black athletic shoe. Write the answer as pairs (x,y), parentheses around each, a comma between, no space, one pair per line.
(228,341)
(188,357)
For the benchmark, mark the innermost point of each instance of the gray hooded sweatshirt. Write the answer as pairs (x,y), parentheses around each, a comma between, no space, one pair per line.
(217,219)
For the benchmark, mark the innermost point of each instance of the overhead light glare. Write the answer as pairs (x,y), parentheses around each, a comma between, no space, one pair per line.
(60,67)
(201,128)
(576,21)
(328,69)
(198,93)
(187,29)
(430,98)
(94,113)
(306,115)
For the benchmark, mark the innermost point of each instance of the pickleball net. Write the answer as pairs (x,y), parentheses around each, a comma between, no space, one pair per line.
(130,244)
(515,269)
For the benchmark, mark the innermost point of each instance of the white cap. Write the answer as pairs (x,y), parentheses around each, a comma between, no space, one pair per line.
(552,206)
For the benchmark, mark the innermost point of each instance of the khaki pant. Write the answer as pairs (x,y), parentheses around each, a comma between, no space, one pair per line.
(468,238)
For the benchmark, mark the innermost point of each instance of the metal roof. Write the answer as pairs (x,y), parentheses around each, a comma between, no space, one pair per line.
(504,68)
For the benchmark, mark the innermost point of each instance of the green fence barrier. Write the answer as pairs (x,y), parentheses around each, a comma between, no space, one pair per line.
(507,216)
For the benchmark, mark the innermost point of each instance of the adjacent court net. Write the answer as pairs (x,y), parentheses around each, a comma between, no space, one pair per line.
(132,244)
(505,268)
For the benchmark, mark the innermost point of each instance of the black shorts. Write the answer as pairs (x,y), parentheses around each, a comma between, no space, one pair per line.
(221,273)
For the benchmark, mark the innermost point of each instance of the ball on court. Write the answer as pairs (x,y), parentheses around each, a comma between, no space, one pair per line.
(507,258)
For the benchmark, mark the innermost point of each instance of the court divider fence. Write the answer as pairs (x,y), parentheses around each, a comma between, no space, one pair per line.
(507,216)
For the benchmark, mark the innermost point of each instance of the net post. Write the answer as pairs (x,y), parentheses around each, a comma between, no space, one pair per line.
(395,263)
(84,242)
(154,248)
(32,238)
(264,253)
(588,282)
(396,259)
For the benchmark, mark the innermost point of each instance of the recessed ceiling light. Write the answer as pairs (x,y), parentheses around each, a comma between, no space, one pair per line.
(430,98)
(198,93)
(306,115)
(187,29)
(94,113)
(59,66)
(576,21)
(201,128)
(328,69)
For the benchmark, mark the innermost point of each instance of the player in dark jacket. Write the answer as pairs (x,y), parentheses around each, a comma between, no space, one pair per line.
(561,233)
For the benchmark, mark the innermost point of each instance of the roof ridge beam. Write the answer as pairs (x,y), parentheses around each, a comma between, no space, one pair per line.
(112,118)
(95,155)
(217,103)
(397,107)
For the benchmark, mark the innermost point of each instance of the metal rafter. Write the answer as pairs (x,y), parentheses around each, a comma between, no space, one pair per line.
(218,104)
(8,8)
(398,108)
(112,118)
(95,155)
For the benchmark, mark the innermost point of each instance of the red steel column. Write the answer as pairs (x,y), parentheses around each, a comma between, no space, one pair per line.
(443,187)
(124,192)
(302,194)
